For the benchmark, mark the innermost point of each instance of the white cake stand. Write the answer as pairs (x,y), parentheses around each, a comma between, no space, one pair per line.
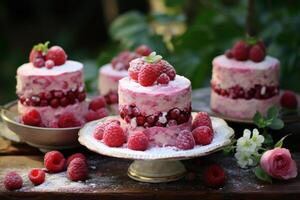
(157,164)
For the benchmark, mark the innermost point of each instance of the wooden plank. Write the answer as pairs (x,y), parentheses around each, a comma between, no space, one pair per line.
(108,180)
(8,147)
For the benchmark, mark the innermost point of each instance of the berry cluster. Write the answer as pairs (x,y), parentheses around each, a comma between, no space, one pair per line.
(171,118)
(97,109)
(42,56)
(54,98)
(121,61)
(111,97)
(251,49)
(257,92)
(54,162)
(150,70)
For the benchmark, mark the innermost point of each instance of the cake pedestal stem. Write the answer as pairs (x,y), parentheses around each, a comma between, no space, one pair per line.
(156,171)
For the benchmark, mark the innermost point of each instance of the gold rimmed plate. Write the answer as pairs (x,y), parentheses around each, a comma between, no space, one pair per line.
(201,102)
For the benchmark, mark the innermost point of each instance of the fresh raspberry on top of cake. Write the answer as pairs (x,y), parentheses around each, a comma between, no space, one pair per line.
(43,56)
(150,70)
(121,61)
(143,50)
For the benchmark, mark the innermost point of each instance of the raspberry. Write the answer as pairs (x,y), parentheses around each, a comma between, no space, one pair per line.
(49,64)
(54,161)
(99,130)
(102,112)
(262,45)
(73,156)
(113,98)
(36,176)
(135,67)
(54,103)
(257,54)
(165,67)
(289,100)
(148,74)
(185,140)
(39,62)
(228,53)
(77,170)
(57,54)
(97,103)
(240,51)
(143,50)
(32,118)
(138,141)
(163,79)
(121,62)
(67,120)
(203,135)
(34,54)
(113,135)
(13,181)
(91,116)
(202,119)
(214,176)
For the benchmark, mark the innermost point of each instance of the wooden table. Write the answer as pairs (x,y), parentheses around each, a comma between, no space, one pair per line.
(108,180)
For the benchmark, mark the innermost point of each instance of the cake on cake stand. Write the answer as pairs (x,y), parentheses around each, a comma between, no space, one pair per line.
(157,164)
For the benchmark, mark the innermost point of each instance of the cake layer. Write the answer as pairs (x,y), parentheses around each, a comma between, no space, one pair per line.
(228,73)
(50,116)
(241,108)
(109,79)
(32,80)
(157,98)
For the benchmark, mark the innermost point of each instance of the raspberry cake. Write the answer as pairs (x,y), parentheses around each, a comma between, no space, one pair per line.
(111,73)
(155,100)
(50,89)
(244,81)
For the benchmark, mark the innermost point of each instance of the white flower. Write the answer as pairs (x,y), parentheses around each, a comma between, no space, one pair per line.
(245,143)
(256,138)
(244,159)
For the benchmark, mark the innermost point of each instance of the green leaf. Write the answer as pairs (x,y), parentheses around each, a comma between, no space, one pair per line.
(272,112)
(276,124)
(262,175)
(259,120)
(268,140)
(251,40)
(153,58)
(280,142)
(228,149)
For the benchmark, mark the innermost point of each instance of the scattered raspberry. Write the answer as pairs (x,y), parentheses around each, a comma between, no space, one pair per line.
(91,116)
(49,64)
(148,75)
(202,119)
(228,53)
(36,176)
(68,120)
(214,176)
(138,141)
(57,54)
(32,118)
(203,135)
(97,103)
(163,79)
(73,156)
(77,170)
(102,112)
(54,161)
(257,54)
(185,140)
(289,100)
(113,135)
(143,50)
(13,181)
(240,51)
(99,130)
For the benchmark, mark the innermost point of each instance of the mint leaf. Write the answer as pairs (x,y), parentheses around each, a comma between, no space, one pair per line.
(42,47)
(276,124)
(152,58)
(272,112)
(268,140)
(280,142)
(258,120)
(251,40)
(262,175)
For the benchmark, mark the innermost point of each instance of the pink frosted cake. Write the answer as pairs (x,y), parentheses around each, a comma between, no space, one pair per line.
(110,74)
(156,101)
(244,81)
(50,89)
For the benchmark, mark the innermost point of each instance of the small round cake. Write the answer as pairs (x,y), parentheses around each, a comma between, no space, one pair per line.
(52,88)
(160,107)
(242,86)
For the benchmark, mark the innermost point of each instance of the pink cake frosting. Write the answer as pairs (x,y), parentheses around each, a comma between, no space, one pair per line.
(52,92)
(109,79)
(156,101)
(240,88)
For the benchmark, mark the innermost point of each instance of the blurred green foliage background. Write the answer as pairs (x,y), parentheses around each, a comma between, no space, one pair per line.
(188,33)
